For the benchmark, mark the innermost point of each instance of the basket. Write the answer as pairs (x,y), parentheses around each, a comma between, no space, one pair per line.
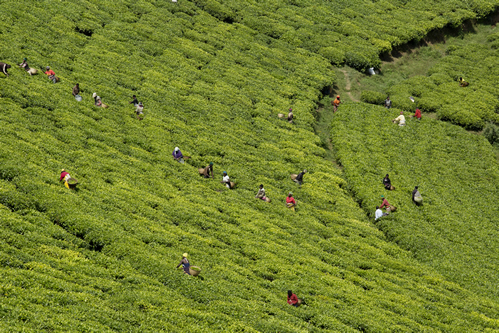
(267,200)
(72,183)
(232,184)
(194,270)
(392,208)
(418,200)
(293,176)
(280,115)
(201,171)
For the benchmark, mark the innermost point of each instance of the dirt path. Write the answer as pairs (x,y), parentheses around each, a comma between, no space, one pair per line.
(348,85)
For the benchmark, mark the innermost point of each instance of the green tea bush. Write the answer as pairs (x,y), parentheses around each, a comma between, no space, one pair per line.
(372,97)
(103,257)
(491,133)
(445,162)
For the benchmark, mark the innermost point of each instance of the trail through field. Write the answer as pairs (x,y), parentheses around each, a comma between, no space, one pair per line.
(348,85)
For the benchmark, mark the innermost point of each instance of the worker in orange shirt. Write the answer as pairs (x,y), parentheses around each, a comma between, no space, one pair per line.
(336,103)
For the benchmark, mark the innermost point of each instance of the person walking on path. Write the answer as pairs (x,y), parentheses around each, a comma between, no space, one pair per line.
(336,103)
(4,68)
(177,155)
(185,264)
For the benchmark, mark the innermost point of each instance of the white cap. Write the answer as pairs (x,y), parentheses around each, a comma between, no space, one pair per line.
(176,149)
(94,95)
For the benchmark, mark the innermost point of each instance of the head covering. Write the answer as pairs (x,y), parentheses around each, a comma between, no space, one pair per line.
(47,67)
(290,109)
(290,193)
(225,172)
(94,95)
(184,255)
(25,59)
(63,170)
(176,149)
(338,96)
(401,112)
(305,171)
(140,104)
(211,163)
(382,196)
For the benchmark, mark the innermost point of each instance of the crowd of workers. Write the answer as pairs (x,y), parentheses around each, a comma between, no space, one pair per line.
(207,172)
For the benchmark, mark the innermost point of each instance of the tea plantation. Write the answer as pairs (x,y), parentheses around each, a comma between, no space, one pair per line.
(213,76)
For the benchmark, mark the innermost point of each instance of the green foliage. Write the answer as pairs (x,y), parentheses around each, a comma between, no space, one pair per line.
(213,75)
(491,133)
(372,97)
(448,164)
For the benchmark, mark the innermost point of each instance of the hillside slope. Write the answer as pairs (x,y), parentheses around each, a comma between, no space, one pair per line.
(102,258)
(455,230)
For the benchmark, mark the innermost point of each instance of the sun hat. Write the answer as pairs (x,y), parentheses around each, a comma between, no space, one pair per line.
(184,255)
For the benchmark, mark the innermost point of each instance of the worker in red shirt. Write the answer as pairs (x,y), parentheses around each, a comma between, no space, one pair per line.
(418,114)
(50,73)
(293,299)
(384,203)
(290,201)
(64,177)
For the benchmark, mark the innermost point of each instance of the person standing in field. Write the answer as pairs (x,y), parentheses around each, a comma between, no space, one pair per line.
(185,264)
(336,103)
(4,68)
(388,103)
(418,114)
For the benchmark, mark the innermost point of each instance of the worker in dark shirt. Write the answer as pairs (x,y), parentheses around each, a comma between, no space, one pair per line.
(299,178)
(4,68)
(387,182)
(135,102)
